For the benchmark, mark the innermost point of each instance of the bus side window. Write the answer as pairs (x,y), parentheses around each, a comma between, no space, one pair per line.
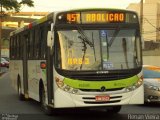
(15,47)
(11,47)
(30,45)
(40,43)
(30,39)
(19,46)
(32,42)
(26,36)
(44,41)
(36,43)
(21,43)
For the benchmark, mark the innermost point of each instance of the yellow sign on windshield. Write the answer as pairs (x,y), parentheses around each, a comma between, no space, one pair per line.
(78,61)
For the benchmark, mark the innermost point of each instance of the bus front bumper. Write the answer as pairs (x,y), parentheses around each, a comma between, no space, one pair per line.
(64,99)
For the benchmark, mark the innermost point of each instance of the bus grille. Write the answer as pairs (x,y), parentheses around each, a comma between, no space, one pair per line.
(101,77)
(98,76)
(98,90)
(91,100)
(94,102)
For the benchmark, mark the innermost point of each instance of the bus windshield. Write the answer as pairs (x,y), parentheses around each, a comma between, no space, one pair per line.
(101,49)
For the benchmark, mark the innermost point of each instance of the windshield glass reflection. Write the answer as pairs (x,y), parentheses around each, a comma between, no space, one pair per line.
(98,49)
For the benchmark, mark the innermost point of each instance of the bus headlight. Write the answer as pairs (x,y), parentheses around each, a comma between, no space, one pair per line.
(65,87)
(135,85)
(69,89)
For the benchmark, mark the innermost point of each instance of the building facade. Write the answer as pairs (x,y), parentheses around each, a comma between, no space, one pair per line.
(151,30)
(14,21)
(151,19)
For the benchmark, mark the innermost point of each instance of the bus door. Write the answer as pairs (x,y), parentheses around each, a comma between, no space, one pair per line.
(50,71)
(25,68)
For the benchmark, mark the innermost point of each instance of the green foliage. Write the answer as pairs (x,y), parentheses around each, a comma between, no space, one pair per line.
(29,3)
(14,5)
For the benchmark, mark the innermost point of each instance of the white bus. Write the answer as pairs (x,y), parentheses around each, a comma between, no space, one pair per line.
(79,58)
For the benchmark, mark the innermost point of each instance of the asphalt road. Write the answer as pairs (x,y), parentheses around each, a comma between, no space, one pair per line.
(13,109)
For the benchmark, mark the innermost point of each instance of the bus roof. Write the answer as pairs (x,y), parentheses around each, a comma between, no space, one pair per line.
(50,16)
(90,9)
(36,22)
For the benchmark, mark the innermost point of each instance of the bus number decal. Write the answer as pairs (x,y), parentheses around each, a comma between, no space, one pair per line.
(73,17)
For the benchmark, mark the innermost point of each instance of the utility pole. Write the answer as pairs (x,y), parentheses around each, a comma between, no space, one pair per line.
(141,16)
(0,31)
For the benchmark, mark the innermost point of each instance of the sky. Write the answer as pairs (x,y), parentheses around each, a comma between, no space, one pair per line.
(55,5)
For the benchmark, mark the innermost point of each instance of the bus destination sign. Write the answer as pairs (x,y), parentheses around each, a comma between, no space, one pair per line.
(96,17)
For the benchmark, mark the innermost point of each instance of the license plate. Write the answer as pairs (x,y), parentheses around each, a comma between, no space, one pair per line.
(102,98)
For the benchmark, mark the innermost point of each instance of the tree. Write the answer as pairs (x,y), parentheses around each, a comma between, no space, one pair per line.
(14,5)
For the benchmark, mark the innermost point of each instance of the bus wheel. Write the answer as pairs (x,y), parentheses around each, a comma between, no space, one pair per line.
(19,89)
(115,109)
(45,107)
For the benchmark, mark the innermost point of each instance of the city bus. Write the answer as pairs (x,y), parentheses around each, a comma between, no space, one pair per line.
(81,58)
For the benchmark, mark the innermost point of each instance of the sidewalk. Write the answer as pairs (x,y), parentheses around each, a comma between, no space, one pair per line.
(3,70)
(1,73)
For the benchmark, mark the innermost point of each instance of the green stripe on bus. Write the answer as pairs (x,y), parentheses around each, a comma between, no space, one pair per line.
(81,84)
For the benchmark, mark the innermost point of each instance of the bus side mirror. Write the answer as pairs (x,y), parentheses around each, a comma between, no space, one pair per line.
(50,39)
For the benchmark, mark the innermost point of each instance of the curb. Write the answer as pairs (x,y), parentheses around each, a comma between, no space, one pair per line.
(1,73)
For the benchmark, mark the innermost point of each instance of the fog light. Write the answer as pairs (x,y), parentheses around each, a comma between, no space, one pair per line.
(74,91)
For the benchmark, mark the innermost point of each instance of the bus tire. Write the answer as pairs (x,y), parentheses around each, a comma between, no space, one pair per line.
(19,89)
(47,110)
(115,109)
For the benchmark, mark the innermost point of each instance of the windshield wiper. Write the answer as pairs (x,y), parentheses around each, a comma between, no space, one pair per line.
(114,36)
(84,37)
(85,41)
(94,48)
(124,46)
